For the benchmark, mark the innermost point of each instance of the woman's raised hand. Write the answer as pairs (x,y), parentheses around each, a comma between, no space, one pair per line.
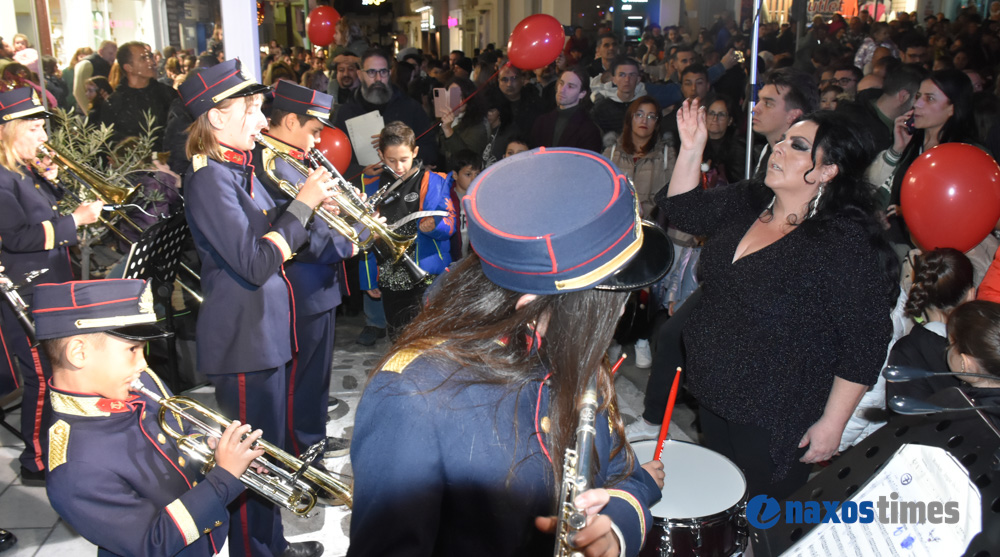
(691,125)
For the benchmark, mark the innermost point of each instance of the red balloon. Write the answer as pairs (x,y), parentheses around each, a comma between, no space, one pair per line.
(321,25)
(536,42)
(950,197)
(336,147)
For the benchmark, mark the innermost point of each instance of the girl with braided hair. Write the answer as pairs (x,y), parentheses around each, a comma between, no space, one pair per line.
(942,281)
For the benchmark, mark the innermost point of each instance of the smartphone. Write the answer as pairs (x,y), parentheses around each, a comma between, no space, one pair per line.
(910,128)
(445,100)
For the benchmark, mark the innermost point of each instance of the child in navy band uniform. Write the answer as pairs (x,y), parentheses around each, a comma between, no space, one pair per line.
(246,324)
(460,434)
(298,115)
(115,476)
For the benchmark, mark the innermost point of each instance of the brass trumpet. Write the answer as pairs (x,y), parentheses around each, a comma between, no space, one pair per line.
(289,482)
(387,243)
(111,195)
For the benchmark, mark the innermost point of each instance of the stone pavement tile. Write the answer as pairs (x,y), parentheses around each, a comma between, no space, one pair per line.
(29,540)
(64,541)
(26,507)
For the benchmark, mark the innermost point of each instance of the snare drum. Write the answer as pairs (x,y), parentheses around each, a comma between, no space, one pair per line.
(703,509)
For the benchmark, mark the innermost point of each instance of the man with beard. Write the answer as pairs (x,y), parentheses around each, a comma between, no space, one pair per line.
(377,93)
(346,80)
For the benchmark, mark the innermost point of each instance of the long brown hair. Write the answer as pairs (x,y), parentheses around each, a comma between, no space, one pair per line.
(627,144)
(487,338)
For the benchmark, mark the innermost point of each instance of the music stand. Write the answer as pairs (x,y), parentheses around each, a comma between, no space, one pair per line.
(968,435)
(155,257)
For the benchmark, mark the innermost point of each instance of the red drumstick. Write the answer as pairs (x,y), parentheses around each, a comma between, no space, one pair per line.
(665,426)
(618,364)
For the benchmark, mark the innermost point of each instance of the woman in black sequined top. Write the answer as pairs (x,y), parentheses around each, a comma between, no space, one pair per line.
(798,286)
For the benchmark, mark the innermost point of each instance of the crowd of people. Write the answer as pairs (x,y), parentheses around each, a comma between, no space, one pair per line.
(740,258)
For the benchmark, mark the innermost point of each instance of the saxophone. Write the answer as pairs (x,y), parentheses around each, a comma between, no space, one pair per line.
(576,478)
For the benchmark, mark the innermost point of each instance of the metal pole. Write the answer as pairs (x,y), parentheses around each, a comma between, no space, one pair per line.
(41,67)
(754,48)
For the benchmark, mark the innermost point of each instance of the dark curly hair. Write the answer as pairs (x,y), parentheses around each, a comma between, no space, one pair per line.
(848,195)
(941,279)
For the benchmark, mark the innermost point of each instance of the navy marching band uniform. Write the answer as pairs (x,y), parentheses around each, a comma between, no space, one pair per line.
(314,277)
(114,475)
(454,458)
(116,478)
(245,331)
(34,237)
(443,455)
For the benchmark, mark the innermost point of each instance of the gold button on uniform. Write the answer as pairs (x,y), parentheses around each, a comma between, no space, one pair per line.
(180,460)
(161,438)
(194,483)
(207,531)
(143,415)
(546,424)
(218,523)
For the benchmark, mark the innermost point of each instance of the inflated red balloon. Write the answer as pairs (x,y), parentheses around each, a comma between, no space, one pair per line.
(336,147)
(321,25)
(950,197)
(536,42)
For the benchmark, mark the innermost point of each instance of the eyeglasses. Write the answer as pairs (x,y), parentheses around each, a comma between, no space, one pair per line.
(717,115)
(383,72)
(649,117)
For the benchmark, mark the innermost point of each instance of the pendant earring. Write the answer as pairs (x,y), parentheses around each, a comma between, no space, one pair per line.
(815,203)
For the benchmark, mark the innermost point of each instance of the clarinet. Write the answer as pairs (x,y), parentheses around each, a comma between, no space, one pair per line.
(577,467)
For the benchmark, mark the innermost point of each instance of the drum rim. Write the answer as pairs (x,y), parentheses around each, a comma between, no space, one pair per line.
(739,507)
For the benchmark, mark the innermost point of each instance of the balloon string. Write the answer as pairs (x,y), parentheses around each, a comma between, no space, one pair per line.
(460,105)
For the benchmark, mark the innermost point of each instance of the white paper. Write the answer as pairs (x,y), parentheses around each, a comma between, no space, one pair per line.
(361,129)
(915,473)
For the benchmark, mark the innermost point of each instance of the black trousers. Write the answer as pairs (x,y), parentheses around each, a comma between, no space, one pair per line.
(668,355)
(749,447)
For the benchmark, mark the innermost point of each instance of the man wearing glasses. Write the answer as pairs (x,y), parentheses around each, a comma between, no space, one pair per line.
(378,93)
(847,78)
(139,92)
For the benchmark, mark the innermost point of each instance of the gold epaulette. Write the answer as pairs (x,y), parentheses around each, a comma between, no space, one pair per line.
(58,443)
(199,162)
(398,362)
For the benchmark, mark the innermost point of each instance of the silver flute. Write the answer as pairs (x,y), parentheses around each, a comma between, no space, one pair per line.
(577,474)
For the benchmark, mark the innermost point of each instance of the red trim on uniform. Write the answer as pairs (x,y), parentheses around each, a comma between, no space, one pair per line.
(494,265)
(310,103)
(207,86)
(538,406)
(39,406)
(66,308)
(291,403)
(244,520)
(291,306)
(347,283)
(552,253)
(10,364)
(472,197)
(72,294)
(5,107)
(176,524)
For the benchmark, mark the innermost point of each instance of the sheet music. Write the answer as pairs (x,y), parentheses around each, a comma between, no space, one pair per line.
(361,129)
(914,473)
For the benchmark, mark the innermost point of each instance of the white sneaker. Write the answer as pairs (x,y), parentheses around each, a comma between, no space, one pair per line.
(643,357)
(640,430)
(614,352)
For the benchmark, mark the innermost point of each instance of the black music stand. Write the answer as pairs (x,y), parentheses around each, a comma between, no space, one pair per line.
(155,257)
(968,435)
